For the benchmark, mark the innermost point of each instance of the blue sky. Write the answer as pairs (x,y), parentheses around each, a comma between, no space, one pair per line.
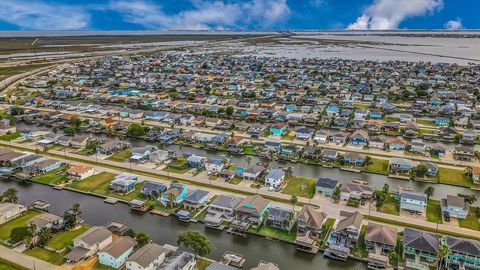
(238,14)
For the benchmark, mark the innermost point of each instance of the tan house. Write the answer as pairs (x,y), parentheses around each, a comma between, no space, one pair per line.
(78,172)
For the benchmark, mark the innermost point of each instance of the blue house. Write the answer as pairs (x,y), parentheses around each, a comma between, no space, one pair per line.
(376,115)
(116,253)
(178,191)
(196,199)
(359,137)
(354,158)
(278,129)
(290,108)
(441,121)
(48,165)
(195,161)
(124,183)
(332,110)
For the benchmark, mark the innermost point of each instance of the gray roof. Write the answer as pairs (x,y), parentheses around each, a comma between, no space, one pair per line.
(350,219)
(456,201)
(196,195)
(118,247)
(382,234)
(417,196)
(421,240)
(177,261)
(278,213)
(226,201)
(94,235)
(326,183)
(462,245)
(219,266)
(276,174)
(145,255)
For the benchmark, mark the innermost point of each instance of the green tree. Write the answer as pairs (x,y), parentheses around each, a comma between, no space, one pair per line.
(131,233)
(136,130)
(44,235)
(229,110)
(196,242)
(293,201)
(469,198)
(442,252)
(265,217)
(421,170)
(171,199)
(10,195)
(336,193)
(142,239)
(69,131)
(429,191)
(32,233)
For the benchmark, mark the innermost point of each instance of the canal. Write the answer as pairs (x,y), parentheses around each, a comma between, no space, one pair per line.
(302,169)
(166,229)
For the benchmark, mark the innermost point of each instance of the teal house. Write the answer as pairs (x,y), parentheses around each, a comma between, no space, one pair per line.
(326,186)
(420,249)
(278,129)
(441,121)
(177,192)
(253,209)
(116,253)
(464,253)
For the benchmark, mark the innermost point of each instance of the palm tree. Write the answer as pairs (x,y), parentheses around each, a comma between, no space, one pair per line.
(76,212)
(429,192)
(442,252)
(293,201)
(32,233)
(266,215)
(249,160)
(171,199)
(28,241)
(290,217)
(10,195)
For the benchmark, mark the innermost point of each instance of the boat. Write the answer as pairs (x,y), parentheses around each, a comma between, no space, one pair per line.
(233,259)
(39,205)
(138,205)
(184,215)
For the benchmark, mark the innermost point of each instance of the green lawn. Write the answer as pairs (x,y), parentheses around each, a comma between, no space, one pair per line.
(14,70)
(120,156)
(425,122)
(300,186)
(6,228)
(377,166)
(248,150)
(63,239)
(6,265)
(51,177)
(85,152)
(100,184)
(454,177)
(46,255)
(434,211)
(279,234)
(202,264)
(10,137)
(236,180)
(360,250)
(390,206)
(327,226)
(179,166)
(471,222)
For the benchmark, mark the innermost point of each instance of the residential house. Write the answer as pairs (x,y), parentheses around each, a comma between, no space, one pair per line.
(464,153)
(420,249)
(328,155)
(89,243)
(79,142)
(356,190)
(326,186)
(432,168)
(141,153)
(123,183)
(464,253)
(195,161)
(281,218)
(309,228)
(152,189)
(354,159)
(476,174)
(196,199)
(278,129)
(253,172)
(180,260)
(159,156)
(214,165)
(9,211)
(111,147)
(47,220)
(116,253)
(27,161)
(455,206)
(321,136)
(401,165)
(344,235)
(441,121)
(413,201)
(304,133)
(221,209)
(275,178)
(175,194)
(417,146)
(359,138)
(396,144)
(252,209)
(376,142)
(148,257)
(438,149)
(48,165)
(79,172)
(380,240)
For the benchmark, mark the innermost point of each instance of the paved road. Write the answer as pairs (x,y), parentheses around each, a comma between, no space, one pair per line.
(325,204)
(25,260)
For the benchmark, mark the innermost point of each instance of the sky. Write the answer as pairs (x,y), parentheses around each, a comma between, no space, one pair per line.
(238,14)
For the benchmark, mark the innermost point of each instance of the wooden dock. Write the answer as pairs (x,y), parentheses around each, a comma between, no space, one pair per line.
(58,187)
(160,213)
(110,200)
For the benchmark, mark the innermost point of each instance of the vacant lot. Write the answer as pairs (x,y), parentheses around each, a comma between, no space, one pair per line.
(63,239)
(120,156)
(300,187)
(100,184)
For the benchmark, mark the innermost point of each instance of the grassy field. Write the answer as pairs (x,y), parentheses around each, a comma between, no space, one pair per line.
(454,177)
(46,255)
(425,122)
(120,156)
(63,239)
(51,177)
(202,264)
(279,234)
(6,228)
(236,180)
(178,166)
(377,166)
(14,70)
(10,137)
(434,211)
(100,184)
(327,226)
(6,265)
(85,152)
(300,187)
(391,206)
(471,222)
(248,150)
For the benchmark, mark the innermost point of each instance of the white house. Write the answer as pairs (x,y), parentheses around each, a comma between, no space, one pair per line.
(116,253)
(455,206)
(275,178)
(79,172)
(214,165)
(89,243)
(148,257)
(9,211)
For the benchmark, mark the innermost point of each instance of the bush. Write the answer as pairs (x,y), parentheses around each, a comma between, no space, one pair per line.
(18,234)
(353,203)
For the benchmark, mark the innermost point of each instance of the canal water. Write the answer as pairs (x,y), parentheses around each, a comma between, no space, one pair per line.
(166,229)
(301,169)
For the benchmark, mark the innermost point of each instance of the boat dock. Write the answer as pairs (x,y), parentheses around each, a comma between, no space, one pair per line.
(233,259)
(110,200)
(159,213)
(39,205)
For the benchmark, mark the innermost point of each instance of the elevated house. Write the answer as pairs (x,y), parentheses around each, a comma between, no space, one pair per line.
(414,202)
(214,165)
(401,165)
(79,172)
(326,186)
(354,159)
(179,260)
(111,147)
(221,209)
(309,228)
(89,243)
(27,161)
(380,240)
(48,165)
(124,183)
(359,138)
(196,199)
(116,253)
(153,190)
(464,253)
(464,153)
(455,206)
(275,178)
(281,218)
(47,220)
(249,212)
(253,172)
(420,249)
(9,211)
(148,257)
(175,194)
(344,235)
(356,190)
(195,161)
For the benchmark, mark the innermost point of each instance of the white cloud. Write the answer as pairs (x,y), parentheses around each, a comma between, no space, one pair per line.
(453,24)
(204,14)
(388,14)
(39,15)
